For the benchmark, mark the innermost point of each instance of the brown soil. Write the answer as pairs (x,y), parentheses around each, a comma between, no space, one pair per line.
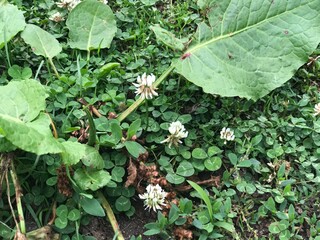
(101,229)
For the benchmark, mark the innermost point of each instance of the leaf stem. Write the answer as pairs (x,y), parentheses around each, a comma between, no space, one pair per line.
(18,192)
(6,47)
(136,104)
(54,68)
(110,215)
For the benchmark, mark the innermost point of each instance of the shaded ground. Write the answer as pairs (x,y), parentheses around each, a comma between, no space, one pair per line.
(101,229)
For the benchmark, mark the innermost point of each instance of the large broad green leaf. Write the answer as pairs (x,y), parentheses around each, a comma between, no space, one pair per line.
(21,123)
(92,25)
(23,99)
(11,22)
(41,42)
(32,136)
(74,152)
(252,46)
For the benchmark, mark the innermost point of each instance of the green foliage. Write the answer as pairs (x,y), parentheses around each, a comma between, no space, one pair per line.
(262,185)
(92,25)
(222,61)
(22,124)
(41,42)
(11,22)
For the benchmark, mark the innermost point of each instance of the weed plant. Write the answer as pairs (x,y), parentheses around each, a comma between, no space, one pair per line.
(241,169)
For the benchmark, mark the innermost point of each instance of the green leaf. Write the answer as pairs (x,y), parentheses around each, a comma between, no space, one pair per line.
(148,2)
(23,100)
(252,46)
(227,226)
(92,207)
(256,140)
(174,178)
(270,205)
(75,151)
(277,227)
(203,196)
(105,69)
(91,25)
(34,136)
(17,72)
(134,148)
(123,204)
(61,222)
(11,22)
(91,179)
(199,153)
(41,42)
(213,163)
(168,38)
(74,215)
(117,173)
(133,128)
(151,232)
(173,214)
(116,131)
(92,129)
(62,211)
(185,169)
(244,163)
(213,150)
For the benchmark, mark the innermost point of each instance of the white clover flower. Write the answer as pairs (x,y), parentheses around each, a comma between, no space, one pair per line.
(57,17)
(177,132)
(316,109)
(69,4)
(227,134)
(104,1)
(154,197)
(144,86)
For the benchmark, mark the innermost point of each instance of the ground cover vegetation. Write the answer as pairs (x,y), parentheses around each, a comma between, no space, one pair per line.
(205,112)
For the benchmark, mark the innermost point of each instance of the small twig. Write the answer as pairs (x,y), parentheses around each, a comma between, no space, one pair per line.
(54,130)
(210,181)
(10,205)
(91,107)
(54,210)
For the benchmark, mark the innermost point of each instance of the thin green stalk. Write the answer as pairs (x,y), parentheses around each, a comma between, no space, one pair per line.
(6,47)
(136,104)
(111,217)
(79,73)
(54,68)
(147,115)
(88,58)
(38,70)
(18,192)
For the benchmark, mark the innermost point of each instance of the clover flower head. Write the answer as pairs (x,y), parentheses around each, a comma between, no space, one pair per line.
(177,132)
(227,134)
(69,4)
(316,109)
(104,1)
(154,198)
(144,86)
(57,17)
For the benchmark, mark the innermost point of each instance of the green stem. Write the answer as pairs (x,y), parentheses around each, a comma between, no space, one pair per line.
(18,192)
(147,116)
(136,104)
(6,47)
(110,215)
(54,68)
